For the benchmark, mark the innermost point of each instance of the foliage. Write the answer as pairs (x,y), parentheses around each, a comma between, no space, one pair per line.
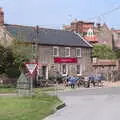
(13,72)
(6,86)
(6,59)
(103,52)
(117,52)
(13,57)
(22,52)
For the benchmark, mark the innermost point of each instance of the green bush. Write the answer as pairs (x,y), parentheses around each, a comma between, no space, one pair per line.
(7,86)
(13,72)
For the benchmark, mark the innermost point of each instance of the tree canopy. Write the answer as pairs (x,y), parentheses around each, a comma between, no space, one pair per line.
(13,57)
(103,52)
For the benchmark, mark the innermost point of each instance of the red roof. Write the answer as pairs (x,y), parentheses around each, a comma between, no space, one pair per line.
(118,31)
(67,27)
(91,39)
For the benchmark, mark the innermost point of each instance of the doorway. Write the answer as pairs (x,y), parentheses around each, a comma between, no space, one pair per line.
(45,72)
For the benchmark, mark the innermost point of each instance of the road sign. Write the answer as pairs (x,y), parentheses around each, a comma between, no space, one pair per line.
(23,86)
(31,66)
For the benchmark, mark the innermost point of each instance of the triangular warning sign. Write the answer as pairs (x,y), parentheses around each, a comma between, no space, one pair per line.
(31,67)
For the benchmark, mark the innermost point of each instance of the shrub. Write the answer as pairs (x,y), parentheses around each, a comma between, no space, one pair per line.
(13,72)
(7,86)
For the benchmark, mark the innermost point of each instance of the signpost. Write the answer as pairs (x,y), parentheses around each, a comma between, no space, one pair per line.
(23,85)
(25,81)
(31,67)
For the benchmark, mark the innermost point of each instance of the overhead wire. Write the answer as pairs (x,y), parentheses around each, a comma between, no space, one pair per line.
(105,13)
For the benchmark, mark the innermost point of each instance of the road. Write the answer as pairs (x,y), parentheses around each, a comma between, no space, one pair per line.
(89,104)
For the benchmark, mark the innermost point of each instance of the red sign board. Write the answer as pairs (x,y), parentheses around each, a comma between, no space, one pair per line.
(31,66)
(65,60)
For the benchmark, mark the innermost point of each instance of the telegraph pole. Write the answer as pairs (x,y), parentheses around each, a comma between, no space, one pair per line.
(36,54)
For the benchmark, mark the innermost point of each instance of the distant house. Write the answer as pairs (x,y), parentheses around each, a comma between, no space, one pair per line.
(109,68)
(93,33)
(103,66)
(86,29)
(104,35)
(58,50)
(116,38)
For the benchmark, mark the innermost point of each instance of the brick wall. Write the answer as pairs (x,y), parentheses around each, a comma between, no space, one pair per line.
(46,58)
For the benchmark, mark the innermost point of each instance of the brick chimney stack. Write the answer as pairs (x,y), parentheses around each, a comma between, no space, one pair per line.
(98,26)
(1,16)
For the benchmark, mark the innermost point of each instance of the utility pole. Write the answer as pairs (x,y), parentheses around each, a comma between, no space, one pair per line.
(36,43)
(36,50)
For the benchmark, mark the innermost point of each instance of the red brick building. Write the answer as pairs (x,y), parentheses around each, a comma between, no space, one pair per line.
(116,37)
(86,29)
(94,33)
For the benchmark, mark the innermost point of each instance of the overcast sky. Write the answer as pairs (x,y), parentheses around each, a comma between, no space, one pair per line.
(56,13)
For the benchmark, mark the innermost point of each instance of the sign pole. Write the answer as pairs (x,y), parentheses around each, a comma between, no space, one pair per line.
(31,85)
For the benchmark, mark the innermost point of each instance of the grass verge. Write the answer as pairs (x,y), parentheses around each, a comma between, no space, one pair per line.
(28,108)
(7,90)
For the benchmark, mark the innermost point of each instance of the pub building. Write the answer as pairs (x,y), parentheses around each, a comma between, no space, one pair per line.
(60,51)
(56,50)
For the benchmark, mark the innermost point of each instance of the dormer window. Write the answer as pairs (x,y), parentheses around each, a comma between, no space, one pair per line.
(90,33)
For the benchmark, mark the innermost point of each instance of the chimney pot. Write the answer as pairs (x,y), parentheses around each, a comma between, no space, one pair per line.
(98,26)
(1,16)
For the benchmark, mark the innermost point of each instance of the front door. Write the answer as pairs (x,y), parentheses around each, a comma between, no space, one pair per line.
(45,72)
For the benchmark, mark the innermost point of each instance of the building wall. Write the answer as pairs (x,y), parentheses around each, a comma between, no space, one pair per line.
(5,38)
(81,26)
(104,36)
(102,32)
(116,37)
(46,58)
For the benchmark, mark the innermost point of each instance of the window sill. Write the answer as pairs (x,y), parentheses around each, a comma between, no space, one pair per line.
(79,56)
(67,56)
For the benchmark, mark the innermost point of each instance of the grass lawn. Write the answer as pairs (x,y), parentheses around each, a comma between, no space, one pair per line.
(7,90)
(28,108)
(13,90)
(46,89)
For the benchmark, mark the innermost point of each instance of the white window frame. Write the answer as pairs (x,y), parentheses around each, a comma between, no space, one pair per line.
(80,52)
(66,51)
(57,51)
(66,70)
(80,70)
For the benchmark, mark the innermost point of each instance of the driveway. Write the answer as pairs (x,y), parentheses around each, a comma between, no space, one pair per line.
(89,104)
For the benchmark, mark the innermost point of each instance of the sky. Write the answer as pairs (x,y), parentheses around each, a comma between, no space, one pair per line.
(56,13)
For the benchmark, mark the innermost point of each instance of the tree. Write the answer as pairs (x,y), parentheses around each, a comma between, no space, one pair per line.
(22,52)
(117,52)
(103,52)
(13,57)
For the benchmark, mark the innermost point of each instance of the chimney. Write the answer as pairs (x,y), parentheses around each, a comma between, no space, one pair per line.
(1,17)
(98,26)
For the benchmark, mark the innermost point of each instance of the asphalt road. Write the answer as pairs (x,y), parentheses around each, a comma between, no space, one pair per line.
(89,104)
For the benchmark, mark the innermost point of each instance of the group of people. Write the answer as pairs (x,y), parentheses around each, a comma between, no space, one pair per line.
(85,81)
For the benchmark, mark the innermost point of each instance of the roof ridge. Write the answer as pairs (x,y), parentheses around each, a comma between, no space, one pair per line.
(83,39)
(17,25)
